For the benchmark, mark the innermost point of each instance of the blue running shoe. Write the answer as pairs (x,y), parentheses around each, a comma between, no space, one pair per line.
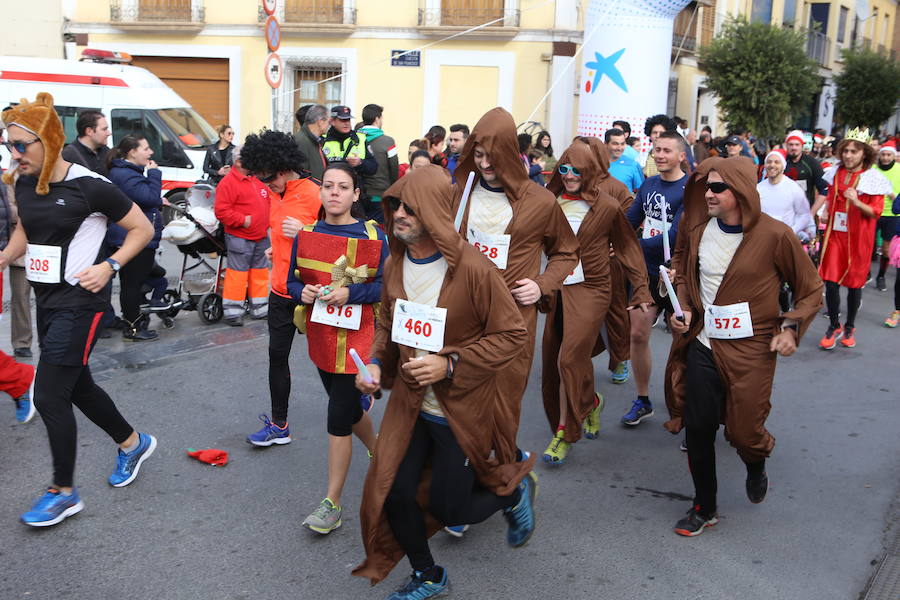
(639,411)
(129,463)
(367,402)
(521,516)
(456,531)
(52,507)
(270,434)
(419,587)
(623,370)
(25,405)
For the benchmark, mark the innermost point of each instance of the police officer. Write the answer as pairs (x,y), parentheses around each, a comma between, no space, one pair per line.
(342,144)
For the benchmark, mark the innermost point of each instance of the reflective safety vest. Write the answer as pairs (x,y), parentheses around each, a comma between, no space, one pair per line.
(352,147)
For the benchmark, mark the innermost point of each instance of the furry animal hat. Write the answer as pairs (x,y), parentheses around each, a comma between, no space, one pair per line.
(38,118)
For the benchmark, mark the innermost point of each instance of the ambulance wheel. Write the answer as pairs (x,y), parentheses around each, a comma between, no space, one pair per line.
(210,308)
(179,199)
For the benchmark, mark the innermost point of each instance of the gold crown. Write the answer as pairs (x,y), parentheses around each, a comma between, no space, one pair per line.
(859,136)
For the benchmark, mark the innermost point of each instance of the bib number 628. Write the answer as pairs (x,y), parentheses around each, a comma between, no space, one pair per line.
(488,251)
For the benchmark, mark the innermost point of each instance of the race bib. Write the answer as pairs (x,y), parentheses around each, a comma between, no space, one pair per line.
(729,322)
(43,263)
(802,184)
(576,276)
(840,221)
(418,325)
(495,247)
(348,316)
(652,227)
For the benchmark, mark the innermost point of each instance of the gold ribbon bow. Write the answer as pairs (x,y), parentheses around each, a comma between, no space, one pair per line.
(342,275)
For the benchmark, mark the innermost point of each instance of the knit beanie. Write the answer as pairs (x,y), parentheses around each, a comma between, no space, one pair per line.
(781,154)
(40,119)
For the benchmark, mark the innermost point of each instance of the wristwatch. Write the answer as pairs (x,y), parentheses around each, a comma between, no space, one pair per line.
(114,264)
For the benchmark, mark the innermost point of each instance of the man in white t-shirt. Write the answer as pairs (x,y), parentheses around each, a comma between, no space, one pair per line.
(783,199)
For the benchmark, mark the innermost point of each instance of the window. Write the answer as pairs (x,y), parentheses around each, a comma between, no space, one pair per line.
(164,10)
(818,17)
(314,11)
(190,127)
(842,25)
(761,11)
(308,90)
(166,151)
(470,12)
(69,116)
(790,12)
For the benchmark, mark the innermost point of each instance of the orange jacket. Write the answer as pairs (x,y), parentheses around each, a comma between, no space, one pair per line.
(300,201)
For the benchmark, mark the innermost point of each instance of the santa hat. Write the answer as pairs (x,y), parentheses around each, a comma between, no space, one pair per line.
(889,145)
(781,154)
(795,135)
(38,118)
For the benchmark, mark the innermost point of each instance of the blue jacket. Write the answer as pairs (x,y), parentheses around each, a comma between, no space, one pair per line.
(143,191)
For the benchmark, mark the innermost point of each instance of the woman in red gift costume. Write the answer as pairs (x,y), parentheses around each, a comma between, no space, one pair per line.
(336,280)
(855,200)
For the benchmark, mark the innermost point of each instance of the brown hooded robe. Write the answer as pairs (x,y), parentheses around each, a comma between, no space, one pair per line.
(768,254)
(618,323)
(582,307)
(484,328)
(537,224)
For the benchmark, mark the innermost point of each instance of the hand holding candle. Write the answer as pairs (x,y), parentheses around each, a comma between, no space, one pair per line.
(361,366)
(676,306)
(664,210)
(457,222)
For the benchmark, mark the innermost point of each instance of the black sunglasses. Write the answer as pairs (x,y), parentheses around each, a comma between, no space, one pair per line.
(395,203)
(267,178)
(717,187)
(20,147)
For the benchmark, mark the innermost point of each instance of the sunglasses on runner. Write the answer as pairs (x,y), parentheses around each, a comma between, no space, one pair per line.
(395,203)
(267,178)
(717,187)
(566,169)
(20,147)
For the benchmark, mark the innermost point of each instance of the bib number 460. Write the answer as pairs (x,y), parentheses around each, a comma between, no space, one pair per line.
(418,327)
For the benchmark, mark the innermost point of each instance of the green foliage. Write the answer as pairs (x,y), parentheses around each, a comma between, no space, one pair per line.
(867,89)
(761,75)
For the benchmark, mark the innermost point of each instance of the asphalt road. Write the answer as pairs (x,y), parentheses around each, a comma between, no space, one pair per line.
(185,530)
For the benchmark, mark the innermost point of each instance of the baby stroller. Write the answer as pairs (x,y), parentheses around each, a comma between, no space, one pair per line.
(200,238)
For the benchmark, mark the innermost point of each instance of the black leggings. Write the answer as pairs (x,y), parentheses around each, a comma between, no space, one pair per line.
(56,389)
(131,279)
(701,421)
(281,338)
(344,410)
(455,497)
(833,303)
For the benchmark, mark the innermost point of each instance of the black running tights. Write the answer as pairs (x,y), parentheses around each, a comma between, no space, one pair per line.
(833,303)
(281,338)
(455,497)
(56,390)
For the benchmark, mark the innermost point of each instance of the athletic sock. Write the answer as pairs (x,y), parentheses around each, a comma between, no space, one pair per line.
(756,469)
(280,424)
(645,400)
(433,573)
(132,447)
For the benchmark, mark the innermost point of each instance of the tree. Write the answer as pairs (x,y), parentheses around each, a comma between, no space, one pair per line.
(761,75)
(867,89)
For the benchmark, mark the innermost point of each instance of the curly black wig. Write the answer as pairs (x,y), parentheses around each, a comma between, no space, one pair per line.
(655,120)
(271,152)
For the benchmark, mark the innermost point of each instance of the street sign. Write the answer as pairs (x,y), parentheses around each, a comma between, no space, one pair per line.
(274,70)
(269,6)
(409,59)
(273,34)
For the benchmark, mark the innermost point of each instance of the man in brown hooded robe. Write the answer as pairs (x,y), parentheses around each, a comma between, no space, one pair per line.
(578,310)
(512,220)
(447,333)
(618,325)
(730,260)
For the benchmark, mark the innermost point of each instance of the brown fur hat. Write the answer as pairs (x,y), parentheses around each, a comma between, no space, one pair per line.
(40,118)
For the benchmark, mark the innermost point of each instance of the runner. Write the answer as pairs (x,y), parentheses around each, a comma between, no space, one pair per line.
(274,158)
(512,220)
(654,126)
(63,214)
(855,201)
(242,206)
(447,330)
(729,265)
(335,278)
(578,311)
(894,318)
(659,198)
(805,170)
(889,219)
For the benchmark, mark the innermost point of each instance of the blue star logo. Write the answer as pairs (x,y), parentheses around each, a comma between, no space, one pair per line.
(607,66)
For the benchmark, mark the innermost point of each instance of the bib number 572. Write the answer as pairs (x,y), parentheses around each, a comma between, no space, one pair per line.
(728,323)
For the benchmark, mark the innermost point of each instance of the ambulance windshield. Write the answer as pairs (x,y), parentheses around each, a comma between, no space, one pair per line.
(191,128)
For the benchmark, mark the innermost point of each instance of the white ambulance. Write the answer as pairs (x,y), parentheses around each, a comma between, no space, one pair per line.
(133,99)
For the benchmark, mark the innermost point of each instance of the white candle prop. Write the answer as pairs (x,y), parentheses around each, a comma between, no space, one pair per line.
(361,366)
(664,273)
(664,209)
(464,201)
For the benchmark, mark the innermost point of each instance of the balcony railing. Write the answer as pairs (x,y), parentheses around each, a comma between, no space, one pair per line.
(137,12)
(685,30)
(466,13)
(818,47)
(319,11)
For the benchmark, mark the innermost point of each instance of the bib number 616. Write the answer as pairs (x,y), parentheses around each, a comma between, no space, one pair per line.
(341,311)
